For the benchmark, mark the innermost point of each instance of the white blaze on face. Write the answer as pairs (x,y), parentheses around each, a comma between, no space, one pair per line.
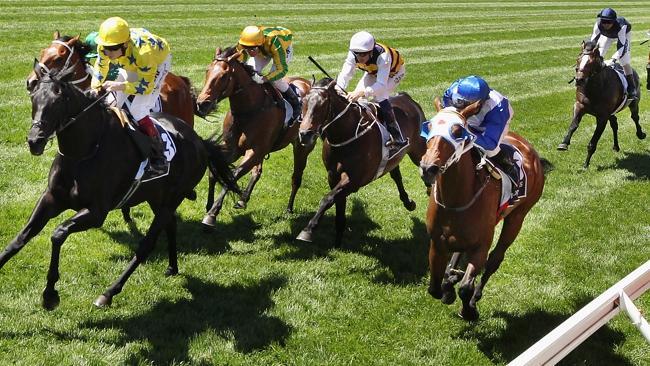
(583,62)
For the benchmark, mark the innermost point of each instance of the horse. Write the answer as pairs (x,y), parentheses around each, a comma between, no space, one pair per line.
(95,168)
(253,127)
(353,147)
(176,95)
(599,92)
(464,207)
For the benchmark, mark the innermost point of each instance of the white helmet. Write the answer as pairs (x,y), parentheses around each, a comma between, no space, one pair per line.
(362,42)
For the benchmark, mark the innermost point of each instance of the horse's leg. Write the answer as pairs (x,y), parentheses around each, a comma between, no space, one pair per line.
(212,182)
(46,208)
(634,109)
(575,122)
(210,218)
(325,203)
(300,154)
(511,226)
(593,143)
(82,220)
(450,278)
(613,123)
(476,262)
(160,221)
(438,257)
(408,203)
(256,174)
(170,231)
(126,215)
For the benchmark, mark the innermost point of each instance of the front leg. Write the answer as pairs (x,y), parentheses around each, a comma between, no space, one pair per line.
(578,112)
(438,257)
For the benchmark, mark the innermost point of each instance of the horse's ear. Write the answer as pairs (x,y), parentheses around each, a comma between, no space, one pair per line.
(234,56)
(471,109)
(217,52)
(583,43)
(56,35)
(37,68)
(437,103)
(74,40)
(331,85)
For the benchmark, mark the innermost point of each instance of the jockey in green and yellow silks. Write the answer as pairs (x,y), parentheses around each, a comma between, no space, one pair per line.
(144,60)
(260,46)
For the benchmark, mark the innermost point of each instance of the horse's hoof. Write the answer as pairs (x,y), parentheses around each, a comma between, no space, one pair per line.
(171,271)
(449,297)
(191,196)
(304,235)
(410,205)
(468,313)
(50,299)
(436,294)
(209,222)
(240,205)
(103,301)
(563,147)
(641,135)
(616,148)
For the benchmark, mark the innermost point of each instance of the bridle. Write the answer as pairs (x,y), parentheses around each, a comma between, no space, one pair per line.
(66,64)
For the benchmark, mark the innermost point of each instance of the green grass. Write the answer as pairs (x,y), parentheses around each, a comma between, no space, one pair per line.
(249,293)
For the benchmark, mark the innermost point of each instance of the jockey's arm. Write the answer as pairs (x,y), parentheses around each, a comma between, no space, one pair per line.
(100,70)
(383,71)
(279,55)
(495,122)
(347,71)
(595,33)
(621,43)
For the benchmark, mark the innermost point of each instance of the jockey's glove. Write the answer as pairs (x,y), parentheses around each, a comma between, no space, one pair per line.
(258,78)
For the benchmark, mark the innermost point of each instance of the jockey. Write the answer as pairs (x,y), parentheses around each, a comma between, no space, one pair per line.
(384,69)
(144,60)
(263,44)
(608,28)
(91,41)
(490,124)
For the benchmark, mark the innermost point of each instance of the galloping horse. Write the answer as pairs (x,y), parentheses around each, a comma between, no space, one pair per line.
(599,92)
(353,147)
(463,207)
(252,128)
(175,94)
(95,168)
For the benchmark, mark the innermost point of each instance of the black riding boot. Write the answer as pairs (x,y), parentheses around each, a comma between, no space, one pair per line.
(647,69)
(507,164)
(157,160)
(388,116)
(631,87)
(293,99)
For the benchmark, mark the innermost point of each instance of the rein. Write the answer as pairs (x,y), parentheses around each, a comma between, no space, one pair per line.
(74,119)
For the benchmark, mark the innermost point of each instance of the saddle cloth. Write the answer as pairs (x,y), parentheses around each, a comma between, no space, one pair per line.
(626,101)
(507,198)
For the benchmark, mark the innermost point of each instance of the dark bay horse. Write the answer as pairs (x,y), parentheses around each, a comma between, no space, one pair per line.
(176,94)
(252,128)
(463,206)
(352,147)
(599,92)
(94,169)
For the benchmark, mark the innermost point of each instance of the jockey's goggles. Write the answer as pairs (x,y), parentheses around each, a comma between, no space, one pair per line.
(361,53)
(113,47)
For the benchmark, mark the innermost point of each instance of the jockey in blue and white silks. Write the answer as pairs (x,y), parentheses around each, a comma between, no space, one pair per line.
(610,27)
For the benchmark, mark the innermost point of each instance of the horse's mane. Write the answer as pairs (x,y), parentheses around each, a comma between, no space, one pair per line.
(80,46)
(229,51)
(324,82)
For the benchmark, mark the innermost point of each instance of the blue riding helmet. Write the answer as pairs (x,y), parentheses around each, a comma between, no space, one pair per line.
(470,90)
(607,14)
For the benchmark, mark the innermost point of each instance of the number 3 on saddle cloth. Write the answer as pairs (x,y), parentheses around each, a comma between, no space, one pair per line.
(507,197)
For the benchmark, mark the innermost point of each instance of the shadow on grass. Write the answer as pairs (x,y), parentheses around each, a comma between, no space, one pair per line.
(235,313)
(405,259)
(522,331)
(637,164)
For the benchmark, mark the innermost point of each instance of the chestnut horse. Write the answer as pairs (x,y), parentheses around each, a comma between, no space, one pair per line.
(463,207)
(176,94)
(352,147)
(599,92)
(253,127)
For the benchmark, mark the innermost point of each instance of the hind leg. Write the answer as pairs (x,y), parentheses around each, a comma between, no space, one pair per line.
(452,276)
(408,203)
(578,112)
(591,148)
(634,108)
(170,231)
(256,174)
(613,123)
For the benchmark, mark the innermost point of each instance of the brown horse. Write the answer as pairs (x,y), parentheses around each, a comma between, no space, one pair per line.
(253,127)
(463,208)
(599,92)
(352,147)
(175,94)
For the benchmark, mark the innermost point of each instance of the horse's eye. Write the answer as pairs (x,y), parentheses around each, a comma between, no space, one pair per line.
(457,131)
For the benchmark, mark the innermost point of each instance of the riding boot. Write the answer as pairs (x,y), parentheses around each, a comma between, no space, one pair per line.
(631,87)
(157,160)
(388,117)
(293,99)
(647,69)
(507,164)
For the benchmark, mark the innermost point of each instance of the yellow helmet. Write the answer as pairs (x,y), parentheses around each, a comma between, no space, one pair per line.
(251,36)
(113,31)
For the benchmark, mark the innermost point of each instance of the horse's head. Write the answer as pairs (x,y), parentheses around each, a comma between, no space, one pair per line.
(54,100)
(447,140)
(589,62)
(316,110)
(219,81)
(62,52)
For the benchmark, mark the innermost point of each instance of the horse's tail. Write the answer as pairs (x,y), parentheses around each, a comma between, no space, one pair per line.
(188,82)
(547,166)
(219,166)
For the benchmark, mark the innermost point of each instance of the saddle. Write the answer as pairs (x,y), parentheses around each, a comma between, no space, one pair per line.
(282,103)
(141,141)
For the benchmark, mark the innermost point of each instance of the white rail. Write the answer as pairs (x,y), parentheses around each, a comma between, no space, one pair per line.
(573,331)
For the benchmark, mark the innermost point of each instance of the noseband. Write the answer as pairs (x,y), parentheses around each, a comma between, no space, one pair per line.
(66,64)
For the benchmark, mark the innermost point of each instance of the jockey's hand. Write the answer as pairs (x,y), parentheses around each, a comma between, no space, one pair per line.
(114,85)
(260,79)
(93,92)
(610,62)
(356,95)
